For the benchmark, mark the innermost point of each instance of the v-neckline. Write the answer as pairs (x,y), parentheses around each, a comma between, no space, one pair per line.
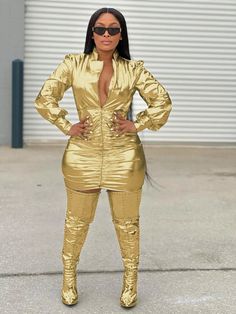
(97,66)
(109,86)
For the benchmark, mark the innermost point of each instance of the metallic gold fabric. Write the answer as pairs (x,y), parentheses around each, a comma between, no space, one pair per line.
(104,160)
(125,216)
(80,213)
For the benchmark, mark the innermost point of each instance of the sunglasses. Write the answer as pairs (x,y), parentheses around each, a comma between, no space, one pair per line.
(101,30)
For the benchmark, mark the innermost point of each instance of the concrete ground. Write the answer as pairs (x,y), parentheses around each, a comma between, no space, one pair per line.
(188,235)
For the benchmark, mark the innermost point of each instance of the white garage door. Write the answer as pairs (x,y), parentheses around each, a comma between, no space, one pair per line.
(190,46)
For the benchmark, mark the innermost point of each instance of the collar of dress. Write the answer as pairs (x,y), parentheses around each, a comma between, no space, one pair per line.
(97,65)
(94,54)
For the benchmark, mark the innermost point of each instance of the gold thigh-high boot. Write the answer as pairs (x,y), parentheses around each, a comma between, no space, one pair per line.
(80,213)
(124,207)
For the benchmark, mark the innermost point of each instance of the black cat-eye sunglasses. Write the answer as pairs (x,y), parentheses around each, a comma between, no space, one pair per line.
(101,30)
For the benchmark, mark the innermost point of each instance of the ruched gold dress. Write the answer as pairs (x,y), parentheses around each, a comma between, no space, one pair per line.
(104,160)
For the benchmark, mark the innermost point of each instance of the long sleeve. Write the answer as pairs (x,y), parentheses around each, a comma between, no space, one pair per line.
(157,99)
(52,91)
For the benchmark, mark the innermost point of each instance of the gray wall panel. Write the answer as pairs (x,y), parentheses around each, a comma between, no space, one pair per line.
(190,46)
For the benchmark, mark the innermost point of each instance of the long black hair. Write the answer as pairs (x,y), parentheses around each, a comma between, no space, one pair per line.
(122,48)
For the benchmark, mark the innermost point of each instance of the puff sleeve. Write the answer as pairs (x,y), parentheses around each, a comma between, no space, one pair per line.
(157,99)
(52,91)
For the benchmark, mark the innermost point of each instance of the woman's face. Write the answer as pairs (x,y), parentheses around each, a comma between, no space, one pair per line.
(106,42)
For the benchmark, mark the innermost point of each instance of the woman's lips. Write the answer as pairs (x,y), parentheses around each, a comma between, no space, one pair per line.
(106,42)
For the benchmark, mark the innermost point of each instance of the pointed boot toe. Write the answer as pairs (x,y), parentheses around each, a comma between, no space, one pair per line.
(128,299)
(69,296)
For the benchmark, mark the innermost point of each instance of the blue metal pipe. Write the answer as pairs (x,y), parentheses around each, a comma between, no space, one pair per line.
(17,103)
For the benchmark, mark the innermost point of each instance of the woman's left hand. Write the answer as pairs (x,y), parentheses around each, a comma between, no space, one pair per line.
(123,125)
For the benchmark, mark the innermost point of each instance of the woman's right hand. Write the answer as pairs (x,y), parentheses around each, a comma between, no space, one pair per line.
(81,128)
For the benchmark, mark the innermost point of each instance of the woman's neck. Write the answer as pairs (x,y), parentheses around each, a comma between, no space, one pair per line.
(105,56)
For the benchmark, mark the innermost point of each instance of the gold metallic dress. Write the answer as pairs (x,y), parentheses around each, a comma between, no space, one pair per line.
(104,160)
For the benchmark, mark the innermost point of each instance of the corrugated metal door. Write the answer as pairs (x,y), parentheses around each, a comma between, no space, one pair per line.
(190,46)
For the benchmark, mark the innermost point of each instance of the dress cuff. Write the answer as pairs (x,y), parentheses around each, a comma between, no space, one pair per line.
(63,124)
(141,126)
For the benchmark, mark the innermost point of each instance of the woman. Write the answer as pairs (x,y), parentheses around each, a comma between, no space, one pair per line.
(104,149)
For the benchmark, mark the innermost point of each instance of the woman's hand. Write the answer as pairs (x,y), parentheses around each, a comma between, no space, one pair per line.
(124,125)
(81,128)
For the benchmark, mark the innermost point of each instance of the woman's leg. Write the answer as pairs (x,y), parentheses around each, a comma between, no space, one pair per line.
(81,207)
(124,207)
